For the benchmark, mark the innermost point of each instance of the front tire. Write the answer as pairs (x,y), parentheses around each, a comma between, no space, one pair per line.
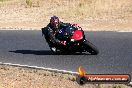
(89,47)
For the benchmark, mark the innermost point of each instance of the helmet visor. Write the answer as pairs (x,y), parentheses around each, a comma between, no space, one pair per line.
(55,22)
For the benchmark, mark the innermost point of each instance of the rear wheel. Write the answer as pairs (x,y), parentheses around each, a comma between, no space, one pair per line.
(89,47)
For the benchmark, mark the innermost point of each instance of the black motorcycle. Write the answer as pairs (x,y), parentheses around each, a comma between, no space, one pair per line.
(74,40)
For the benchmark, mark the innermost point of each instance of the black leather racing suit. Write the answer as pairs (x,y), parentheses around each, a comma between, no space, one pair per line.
(49,32)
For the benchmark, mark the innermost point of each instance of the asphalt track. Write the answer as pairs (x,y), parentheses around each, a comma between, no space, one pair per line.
(28,47)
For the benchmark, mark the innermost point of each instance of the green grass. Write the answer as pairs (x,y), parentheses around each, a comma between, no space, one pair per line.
(29,3)
(3,0)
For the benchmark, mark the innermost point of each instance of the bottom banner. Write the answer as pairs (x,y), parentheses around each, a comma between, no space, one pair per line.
(83,78)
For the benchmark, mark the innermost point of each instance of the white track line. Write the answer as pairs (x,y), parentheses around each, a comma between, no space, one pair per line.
(129,30)
(124,31)
(48,69)
(18,29)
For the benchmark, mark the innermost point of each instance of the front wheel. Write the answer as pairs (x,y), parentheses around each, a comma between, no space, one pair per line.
(89,47)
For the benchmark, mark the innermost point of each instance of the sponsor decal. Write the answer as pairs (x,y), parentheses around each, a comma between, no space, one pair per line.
(83,78)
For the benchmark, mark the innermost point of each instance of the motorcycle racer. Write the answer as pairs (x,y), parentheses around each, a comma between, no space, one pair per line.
(67,38)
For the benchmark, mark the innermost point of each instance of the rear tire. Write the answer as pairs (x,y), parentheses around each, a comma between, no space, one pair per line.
(89,47)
